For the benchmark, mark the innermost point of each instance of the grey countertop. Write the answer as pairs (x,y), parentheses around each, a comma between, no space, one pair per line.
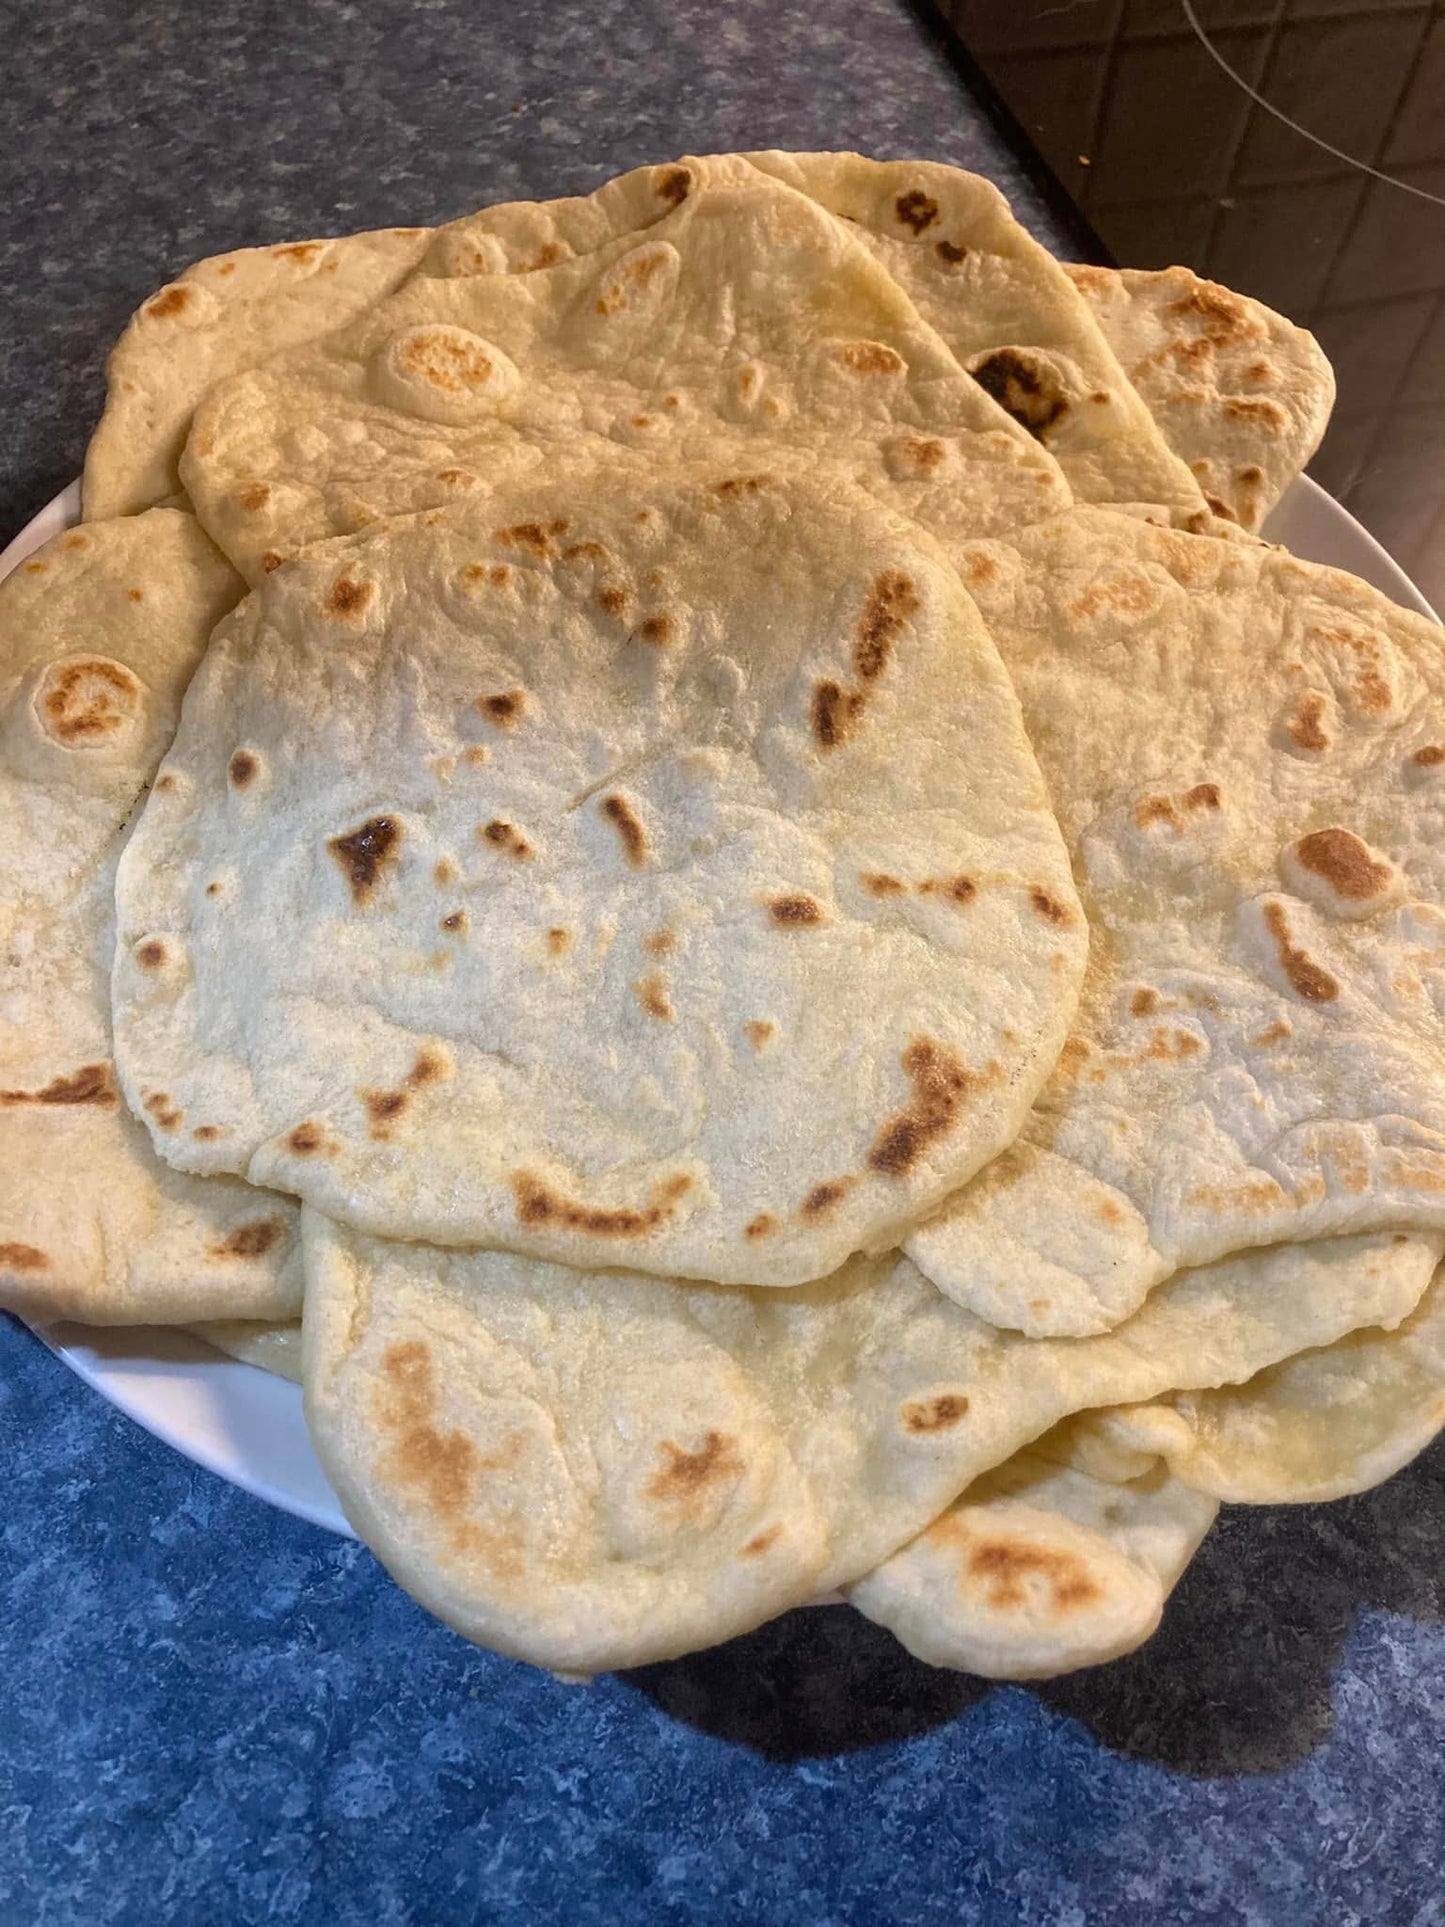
(211,1712)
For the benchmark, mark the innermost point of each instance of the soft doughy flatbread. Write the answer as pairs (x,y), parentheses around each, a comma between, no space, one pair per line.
(1247,757)
(1243,395)
(1011,315)
(1041,1567)
(746,326)
(590,1470)
(273,1348)
(235,310)
(99,632)
(221,315)
(660,877)
(1320,1426)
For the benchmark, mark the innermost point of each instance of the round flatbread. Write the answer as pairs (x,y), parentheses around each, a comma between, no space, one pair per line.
(99,632)
(1247,756)
(653,877)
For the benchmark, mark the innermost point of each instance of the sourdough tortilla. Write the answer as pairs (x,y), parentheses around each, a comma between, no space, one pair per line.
(99,632)
(272,1348)
(1247,758)
(745,327)
(1241,394)
(1010,314)
(1041,1567)
(655,877)
(590,1470)
(1320,1426)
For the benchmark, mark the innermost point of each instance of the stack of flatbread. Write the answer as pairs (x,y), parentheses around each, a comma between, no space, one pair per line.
(693,824)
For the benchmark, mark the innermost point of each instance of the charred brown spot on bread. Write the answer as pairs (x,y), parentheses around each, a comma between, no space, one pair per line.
(822,1198)
(366,853)
(505,709)
(1156,809)
(91,1084)
(19,1257)
(1261,410)
(760,1542)
(687,1480)
(657,630)
(1049,907)
(759,1030)
(673,185)
(428,1066)
(1345,864)
(878,884)
(1306,727)
(1124,590)
(613,598)
(538,1203)
(299,251)
(1218,506)
(920,454)
(871,358)
(382,1109)
(305,1139)
(1144,1002)
(633,838)
(1251,476)
(455,477)
(88,699)
(941,1084)
(348,597)
(1004,1568)
(659,943)
(795,912)
(252,1240)
(169,303)
(979,569)
(455,923)
(1307,978)
(207,1133)
(253,498)
(271,561)
(960,889)
(536,537)
(163,1109)
(444,870)
(441,1468)
(891,602)
(1274,1033)
(152,954)
(762,1226)
(1028,389)
(950,251)
(834,711)
(241,768)
(651,992)
(1203,796)
(506,837)
(937,1414)
(1212,303)
(36,568)
(499,574)
(737,486)
(916,210)
(585,551)
(557,940)
(1430,757)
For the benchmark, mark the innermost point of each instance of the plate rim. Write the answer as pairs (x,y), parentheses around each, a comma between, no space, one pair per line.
(127,1365)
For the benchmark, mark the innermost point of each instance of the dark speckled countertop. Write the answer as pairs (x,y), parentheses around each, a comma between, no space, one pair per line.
(212,1713)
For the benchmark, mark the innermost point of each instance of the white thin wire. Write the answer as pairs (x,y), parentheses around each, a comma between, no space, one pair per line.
(1339,153)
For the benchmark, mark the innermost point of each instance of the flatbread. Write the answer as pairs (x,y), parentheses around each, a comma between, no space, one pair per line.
(534,875)
(234,311)
(1247,757)
(223,314)
(598,1470)
(1041,1567)
(1320,1426)
(99,631)
(271,1348)
(1241,394)
(744,327)
(1010,314)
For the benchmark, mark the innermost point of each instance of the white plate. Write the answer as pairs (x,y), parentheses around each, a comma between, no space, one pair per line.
(247,1425)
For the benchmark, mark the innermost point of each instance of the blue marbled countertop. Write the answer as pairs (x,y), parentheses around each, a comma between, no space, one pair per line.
(212,1713)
